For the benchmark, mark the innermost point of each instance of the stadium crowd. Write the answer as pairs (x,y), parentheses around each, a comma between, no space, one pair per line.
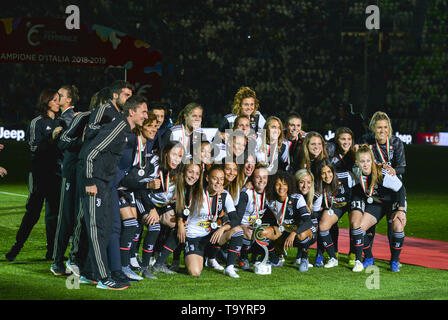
(216,194)
(304,37)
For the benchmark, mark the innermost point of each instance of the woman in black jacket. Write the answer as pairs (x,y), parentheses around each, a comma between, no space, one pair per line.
(45,175)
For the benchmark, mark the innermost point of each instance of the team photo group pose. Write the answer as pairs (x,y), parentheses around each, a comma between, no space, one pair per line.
(128,191)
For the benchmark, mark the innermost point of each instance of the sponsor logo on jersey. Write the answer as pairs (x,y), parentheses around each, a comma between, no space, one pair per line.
(290,227)
(204,224)
(340,203)
(252,219)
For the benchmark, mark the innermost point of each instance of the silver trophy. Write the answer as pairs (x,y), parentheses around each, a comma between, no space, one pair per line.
(261,267)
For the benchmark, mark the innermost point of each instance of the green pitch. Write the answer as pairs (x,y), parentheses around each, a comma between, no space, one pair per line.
(29,277)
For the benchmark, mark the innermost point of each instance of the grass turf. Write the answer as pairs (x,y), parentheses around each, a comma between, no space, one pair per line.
(29,276)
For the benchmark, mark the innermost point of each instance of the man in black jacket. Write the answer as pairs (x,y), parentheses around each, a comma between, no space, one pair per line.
(70,144)
(101,158)
(120,92)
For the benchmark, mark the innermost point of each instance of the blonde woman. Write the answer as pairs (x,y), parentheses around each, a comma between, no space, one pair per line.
(376,194)
(305,186)
(387,148)
(389,153)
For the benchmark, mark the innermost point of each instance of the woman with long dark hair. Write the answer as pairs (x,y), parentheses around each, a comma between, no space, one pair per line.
(341,151)
(187,129)
(250,210)
(139,147)
(189,194)
(335,188)
(290,218)
(154,185)
(310,152)
(45,175)
(210,224)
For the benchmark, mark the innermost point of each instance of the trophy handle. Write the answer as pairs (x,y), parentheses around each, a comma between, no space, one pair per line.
(262,242)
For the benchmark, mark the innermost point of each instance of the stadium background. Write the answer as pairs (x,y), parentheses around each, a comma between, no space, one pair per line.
(306,56)
(303,56)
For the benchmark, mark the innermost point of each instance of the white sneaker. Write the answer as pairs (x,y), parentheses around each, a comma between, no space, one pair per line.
(131,274)
(230,271)
(333,262)
(297,263)
(72,268)
(215,265)
(358,266)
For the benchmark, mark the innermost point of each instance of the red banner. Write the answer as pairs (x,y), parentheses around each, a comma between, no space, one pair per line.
(36,40)
(437,139)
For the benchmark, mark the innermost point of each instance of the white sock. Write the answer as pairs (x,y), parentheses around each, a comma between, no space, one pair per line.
(134,262)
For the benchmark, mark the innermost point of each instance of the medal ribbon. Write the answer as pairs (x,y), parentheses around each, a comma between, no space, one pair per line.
(364,185)
(210,206)
(273,154)
(326,200)
(283,210)
(167,184)
(139,148)
(189,202)
(183,137)
(256,203)
(383,158)
(289,152)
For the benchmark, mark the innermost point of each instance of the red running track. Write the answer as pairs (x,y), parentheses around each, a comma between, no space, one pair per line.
(420,252)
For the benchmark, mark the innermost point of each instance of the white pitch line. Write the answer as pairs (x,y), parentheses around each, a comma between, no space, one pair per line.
(14,194)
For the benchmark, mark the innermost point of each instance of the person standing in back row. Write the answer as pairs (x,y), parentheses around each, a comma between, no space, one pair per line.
(68,97)
(45,175)
(101,160)
(119,92)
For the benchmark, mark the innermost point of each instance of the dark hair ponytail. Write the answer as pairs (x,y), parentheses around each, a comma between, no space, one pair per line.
(72,92)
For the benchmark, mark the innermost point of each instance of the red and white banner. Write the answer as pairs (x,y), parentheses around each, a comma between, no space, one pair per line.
(45,40)
(437,139)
